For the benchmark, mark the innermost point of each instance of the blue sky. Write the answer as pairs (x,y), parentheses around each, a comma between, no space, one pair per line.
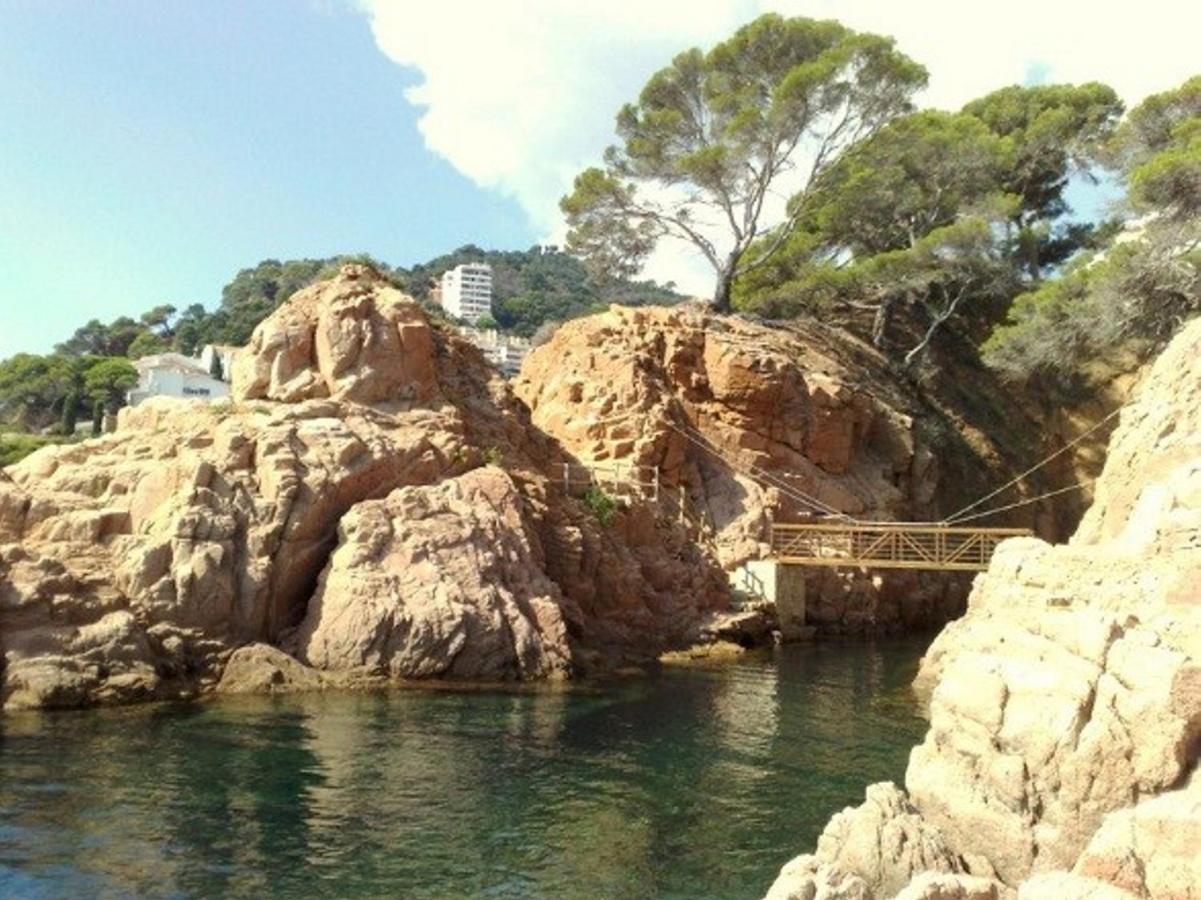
(148,150)
(151,148)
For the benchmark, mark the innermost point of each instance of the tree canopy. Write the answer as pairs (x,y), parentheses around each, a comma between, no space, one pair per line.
(1136,291)
(713,133)
(939,217)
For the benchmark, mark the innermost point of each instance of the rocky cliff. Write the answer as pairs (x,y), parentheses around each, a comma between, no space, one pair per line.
(374,501)
(1065,714)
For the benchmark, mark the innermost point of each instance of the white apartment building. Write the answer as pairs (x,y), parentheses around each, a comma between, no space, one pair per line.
(174,375)
(467,291)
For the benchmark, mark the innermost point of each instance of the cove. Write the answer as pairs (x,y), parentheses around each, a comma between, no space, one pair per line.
(694,782)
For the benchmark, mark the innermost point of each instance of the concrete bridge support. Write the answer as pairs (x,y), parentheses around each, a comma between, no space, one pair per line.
(783,586)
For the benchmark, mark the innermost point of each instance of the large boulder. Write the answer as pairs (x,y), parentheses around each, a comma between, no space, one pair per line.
(353,337)
(443,580)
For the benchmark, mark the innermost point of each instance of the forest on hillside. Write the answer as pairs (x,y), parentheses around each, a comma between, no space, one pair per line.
(89,372)
(919,229)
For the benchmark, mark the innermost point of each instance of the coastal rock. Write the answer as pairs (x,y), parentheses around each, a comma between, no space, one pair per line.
(1065,707)
(263,669)
(442,580)
(936,886)
(350,338)
(1072,688)
(1149,850)
(134,564)
(868,851)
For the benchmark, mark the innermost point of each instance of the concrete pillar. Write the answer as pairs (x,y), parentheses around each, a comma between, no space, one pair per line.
(784,586)
(790,602)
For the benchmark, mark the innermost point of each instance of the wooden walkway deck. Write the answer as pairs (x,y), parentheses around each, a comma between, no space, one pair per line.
(888,545)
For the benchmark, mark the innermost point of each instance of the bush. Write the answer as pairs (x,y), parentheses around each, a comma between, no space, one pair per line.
(602,505)
(15,447)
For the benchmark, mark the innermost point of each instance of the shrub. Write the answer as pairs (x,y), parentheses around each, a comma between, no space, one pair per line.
(602,505)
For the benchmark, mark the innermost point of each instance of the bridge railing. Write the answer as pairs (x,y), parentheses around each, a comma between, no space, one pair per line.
(889,545)
(619,479)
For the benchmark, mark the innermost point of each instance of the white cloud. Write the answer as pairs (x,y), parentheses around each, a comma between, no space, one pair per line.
(519,95)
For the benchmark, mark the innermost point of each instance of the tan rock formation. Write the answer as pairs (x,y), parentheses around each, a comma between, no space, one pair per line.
(1071,690)
(352,338)
(866,851)
(134,564)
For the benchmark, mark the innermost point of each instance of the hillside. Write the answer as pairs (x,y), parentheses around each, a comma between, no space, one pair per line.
(531,287)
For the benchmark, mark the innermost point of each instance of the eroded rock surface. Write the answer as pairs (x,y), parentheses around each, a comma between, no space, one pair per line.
(1065,715)
(871,850)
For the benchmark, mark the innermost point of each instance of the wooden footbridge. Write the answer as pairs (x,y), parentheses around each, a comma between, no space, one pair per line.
(888,545)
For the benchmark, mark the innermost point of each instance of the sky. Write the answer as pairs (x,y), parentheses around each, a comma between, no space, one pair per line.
(149,149)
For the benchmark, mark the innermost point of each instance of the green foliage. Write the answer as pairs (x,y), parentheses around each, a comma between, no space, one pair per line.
(107,381)
(493,456)
(216,369)
(33,388)
(602,505)
(709,135)
(1158,147)
(147,343)
(940,218)
(70,414)
(15,447)
(531,287)
(1136,293)
(1053,131)
(918,173)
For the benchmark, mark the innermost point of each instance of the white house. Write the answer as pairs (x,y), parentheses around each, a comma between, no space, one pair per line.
(175,375)
(467,291)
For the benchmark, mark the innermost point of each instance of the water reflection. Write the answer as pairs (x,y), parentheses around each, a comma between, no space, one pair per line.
(694,783)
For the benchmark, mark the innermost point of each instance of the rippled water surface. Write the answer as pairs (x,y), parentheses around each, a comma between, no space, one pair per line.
(690,783)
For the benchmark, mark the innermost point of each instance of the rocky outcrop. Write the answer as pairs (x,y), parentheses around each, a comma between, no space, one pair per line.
(134,565)
(872,850)
(1065,715)
(346,339)
(746,423)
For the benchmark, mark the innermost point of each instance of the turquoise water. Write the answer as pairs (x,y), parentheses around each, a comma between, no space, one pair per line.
(696,783)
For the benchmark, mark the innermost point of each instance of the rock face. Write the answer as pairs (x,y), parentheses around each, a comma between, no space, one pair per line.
(745,423)
(1065,717)
(133,565)
(439,580)
(346,339)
